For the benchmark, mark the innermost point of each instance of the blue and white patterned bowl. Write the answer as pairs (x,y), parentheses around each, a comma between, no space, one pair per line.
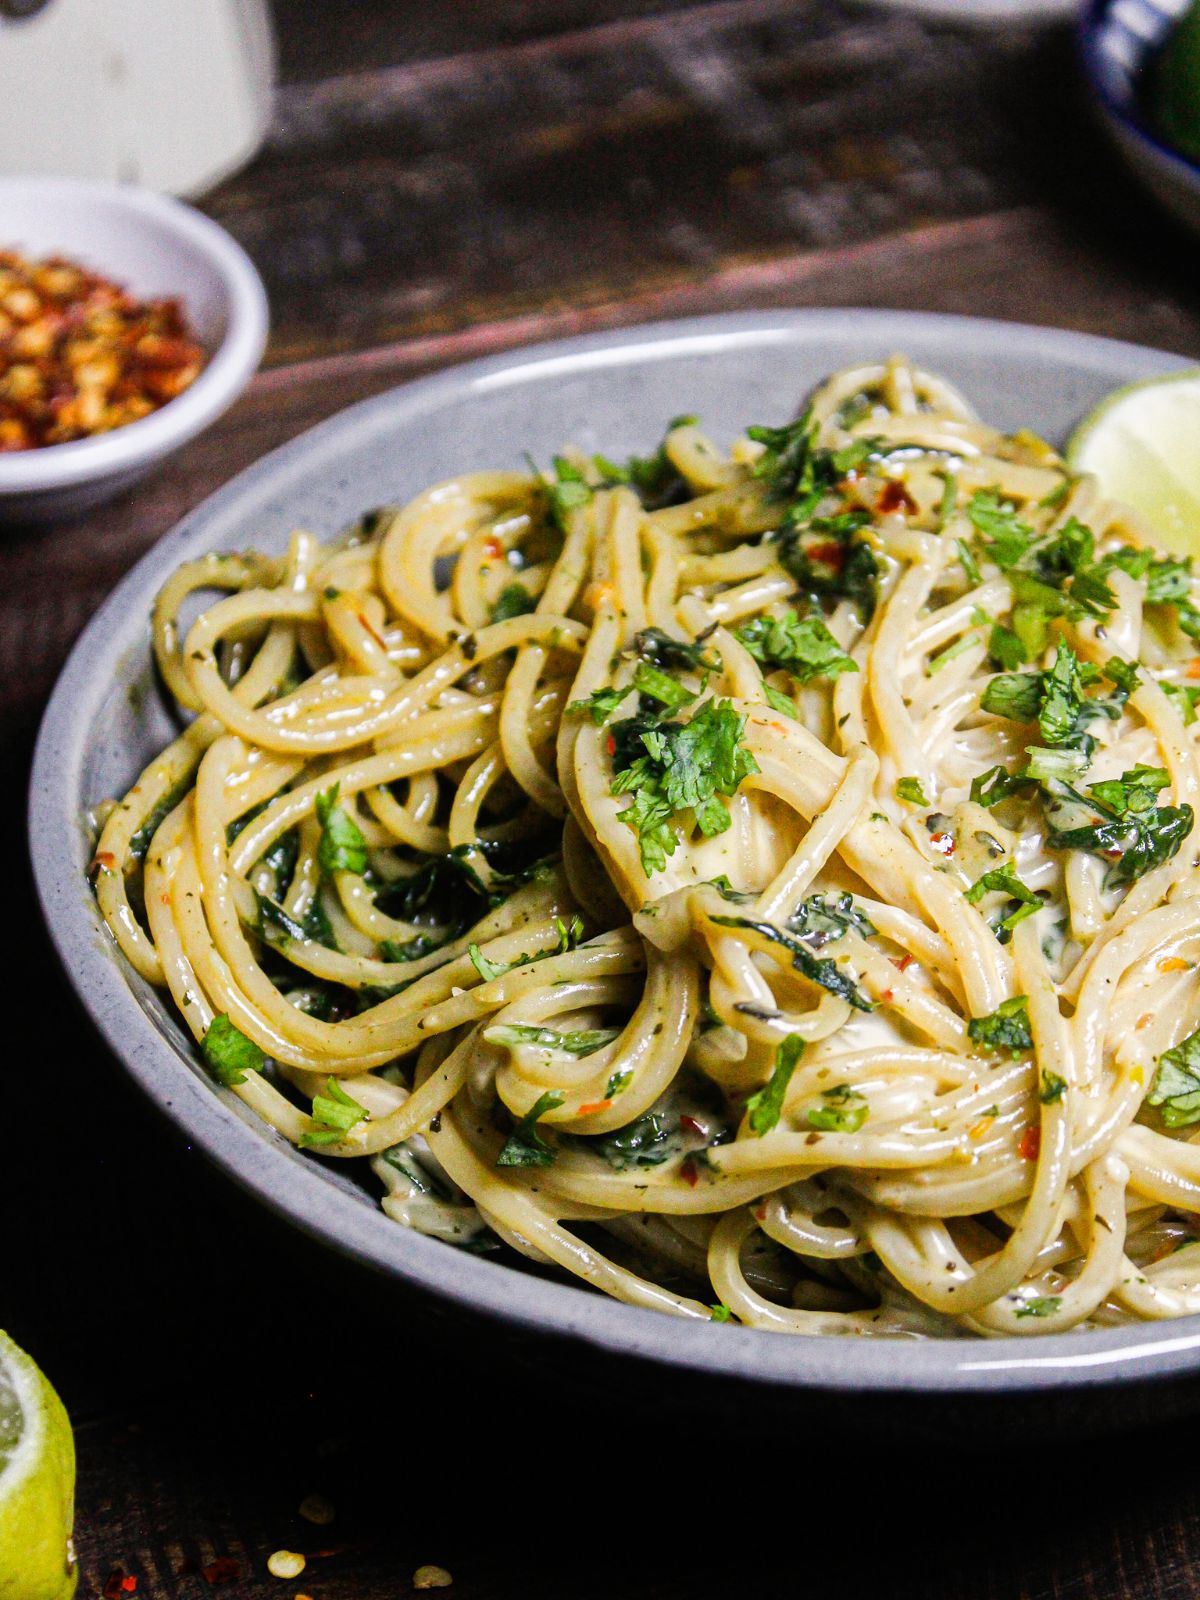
(1118,39)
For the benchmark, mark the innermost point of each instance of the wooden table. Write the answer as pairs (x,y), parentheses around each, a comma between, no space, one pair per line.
(441,182)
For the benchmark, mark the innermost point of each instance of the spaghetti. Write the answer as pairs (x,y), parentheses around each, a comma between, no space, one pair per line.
(760,884)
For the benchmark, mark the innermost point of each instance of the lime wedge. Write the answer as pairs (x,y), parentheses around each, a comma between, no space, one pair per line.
(1143,444)
(37,1484)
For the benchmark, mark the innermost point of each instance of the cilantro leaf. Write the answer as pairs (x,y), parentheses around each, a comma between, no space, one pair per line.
(1053,1087)
(685,767)
(989,788)
(1006,1028)
(1131,831)
(567,491)
(1183,697)
(652,644)
(1015,695)
(334,1113)
(514,600)
(1007,536)
(228,1052)
(600,704)
(583,1042)
(1040,1306)
(844,1111)
(656,479)
(1006,648)
(1176,1086)
(821,919)
(829,563)
(804,647)
(910,789)
(765,1107)
(525,1146)
(342,847)
(825,973)
(661,687)
(1004,880)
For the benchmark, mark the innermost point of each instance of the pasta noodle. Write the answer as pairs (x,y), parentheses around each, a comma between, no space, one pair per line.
(760,884)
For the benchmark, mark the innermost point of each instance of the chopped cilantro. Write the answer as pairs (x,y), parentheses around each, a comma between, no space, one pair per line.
(1176,1086)
(1006,648)
(1006,1028)
(825,973)
(1183,696)
(1004,880)
(228,1052)
(342,847)
(661,687)
(600,704)
(766,1106)
(1053,1087)
(652,644)
(525,1146)
(1040,1306)
(1132,832)
(969,564)
(618,1083)
(804,647)
(950,653)
(821,919)
(1008,537)
(334,1113)
(582,1042)
(514,600)
(720,1313)
(778,702)
(685,767)
(656,479)
(844,1111)
(910,789)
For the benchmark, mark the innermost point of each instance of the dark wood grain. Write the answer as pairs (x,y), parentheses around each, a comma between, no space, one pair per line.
(583,166)
(440,183)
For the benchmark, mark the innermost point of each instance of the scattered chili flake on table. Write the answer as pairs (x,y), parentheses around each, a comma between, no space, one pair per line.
(221,1571)
(80,355)
(118,1584)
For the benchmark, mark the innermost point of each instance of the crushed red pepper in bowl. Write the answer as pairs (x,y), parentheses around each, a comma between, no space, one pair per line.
(80,355)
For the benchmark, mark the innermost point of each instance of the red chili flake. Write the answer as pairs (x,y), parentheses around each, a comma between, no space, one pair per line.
(943,843)
(1031,1143)
(895,497)
(760,1211)
(689,1173)
(118,1584)
(611,744)
(593,1105)
(493,547)
(690,1125)
(221,1571)
(886,995)
(831,554)
(904,962)
(129,1584)
(105,859)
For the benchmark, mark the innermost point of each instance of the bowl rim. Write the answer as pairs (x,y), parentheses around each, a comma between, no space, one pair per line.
(1118,108)
(255,1158)
(226,373)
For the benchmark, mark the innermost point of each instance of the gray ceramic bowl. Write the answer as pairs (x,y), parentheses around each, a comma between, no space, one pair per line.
(612,391)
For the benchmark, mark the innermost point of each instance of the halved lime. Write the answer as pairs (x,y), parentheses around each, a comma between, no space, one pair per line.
(1143,444)
(37,1484)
